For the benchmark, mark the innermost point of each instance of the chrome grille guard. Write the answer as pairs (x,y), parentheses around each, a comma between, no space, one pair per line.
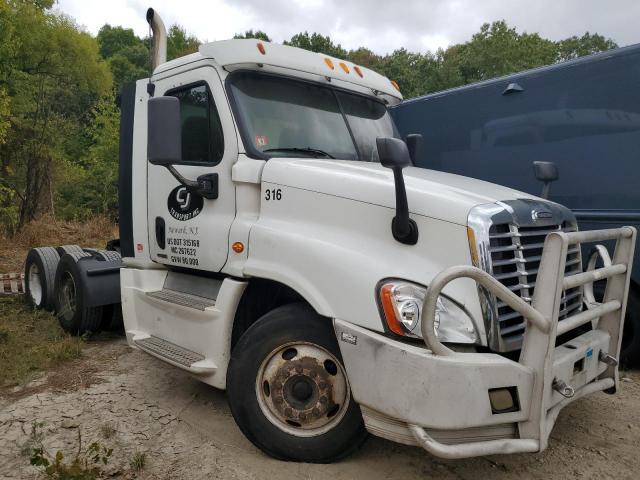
(541,331)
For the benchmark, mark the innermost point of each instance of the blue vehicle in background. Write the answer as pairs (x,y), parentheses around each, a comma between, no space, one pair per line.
(583,115)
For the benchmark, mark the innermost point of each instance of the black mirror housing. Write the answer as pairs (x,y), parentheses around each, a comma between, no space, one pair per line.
(414,145)
(164,133)
(546,171)
(393,152)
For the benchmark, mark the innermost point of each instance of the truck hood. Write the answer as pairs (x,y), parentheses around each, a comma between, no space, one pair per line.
(434,194)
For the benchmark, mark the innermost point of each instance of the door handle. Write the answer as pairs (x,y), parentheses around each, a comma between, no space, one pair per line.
(208,186)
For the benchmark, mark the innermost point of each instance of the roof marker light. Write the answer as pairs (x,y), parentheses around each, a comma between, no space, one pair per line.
(261,48)
(329,63)
(395,85)
(344,67)
(358,71)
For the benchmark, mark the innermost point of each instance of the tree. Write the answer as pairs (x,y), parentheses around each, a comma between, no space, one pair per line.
(53,75)
(412,71)
(317,43)
(91,183)
(499,50)
(127,54)
(588,44)
(179,43)
(258,34)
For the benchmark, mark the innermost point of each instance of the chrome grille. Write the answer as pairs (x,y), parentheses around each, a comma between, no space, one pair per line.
(514,254)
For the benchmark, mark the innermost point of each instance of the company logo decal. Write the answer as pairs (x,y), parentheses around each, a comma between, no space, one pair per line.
(184,205)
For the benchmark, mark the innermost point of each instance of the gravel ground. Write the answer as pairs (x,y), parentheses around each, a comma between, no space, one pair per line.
(187,432)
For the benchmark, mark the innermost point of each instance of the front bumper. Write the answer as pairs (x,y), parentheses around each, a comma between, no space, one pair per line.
(441,400)
(411,396)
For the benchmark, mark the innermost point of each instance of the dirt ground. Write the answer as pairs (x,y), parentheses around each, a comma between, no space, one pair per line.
(187,432)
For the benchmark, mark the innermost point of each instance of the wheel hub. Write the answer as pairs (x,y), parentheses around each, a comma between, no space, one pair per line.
(35,284)
(302,389)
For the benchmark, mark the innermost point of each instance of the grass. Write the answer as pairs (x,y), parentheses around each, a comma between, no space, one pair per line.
(138,461)
(30,341)
(49,231)
(108,430)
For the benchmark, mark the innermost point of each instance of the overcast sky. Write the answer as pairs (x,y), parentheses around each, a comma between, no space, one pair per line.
(381,25)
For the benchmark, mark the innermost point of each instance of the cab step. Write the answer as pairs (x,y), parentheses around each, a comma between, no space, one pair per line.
(174,354)
(182,299)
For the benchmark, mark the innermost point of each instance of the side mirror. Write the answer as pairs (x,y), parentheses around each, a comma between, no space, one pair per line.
(414,145)
(164,134)
(164,145)
(394,154)
(546,172)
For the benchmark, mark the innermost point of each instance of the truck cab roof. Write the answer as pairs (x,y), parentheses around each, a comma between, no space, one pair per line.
(297,62)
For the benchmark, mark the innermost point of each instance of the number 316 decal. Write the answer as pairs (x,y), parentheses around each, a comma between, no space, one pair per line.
(273,194)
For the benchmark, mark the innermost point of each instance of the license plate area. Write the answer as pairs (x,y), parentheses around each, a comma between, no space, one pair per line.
(576,362)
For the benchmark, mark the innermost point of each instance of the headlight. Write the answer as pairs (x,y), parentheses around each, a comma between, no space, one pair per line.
(402,304)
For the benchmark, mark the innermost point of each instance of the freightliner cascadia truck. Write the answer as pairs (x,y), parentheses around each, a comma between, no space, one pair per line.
(276,241)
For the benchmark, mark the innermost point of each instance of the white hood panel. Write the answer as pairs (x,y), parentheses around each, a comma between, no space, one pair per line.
(430,193)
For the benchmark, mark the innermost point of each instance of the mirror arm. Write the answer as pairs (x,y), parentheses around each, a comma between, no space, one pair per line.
(546,187)
(206,185)
(190,184)
(403,228)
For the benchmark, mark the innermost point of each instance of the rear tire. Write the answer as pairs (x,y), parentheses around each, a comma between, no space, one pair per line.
(72,314)
(39,277)
(69,249)
(109,256)
(288,390)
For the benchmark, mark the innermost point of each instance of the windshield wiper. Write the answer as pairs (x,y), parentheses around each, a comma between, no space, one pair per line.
(298,149)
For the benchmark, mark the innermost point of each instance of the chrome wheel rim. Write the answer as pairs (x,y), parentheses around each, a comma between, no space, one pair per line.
(35,284)
(302,389)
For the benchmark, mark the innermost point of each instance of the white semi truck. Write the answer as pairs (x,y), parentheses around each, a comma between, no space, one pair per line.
(277,242)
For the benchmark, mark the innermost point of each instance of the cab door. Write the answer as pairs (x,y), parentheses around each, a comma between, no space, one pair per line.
(185,229)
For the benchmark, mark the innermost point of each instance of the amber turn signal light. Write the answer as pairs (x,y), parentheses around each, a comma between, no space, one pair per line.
(238,247)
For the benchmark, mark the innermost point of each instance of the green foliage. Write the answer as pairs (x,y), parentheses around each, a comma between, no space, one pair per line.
(53,74)
(138,461)
(91,183)
(179,43)
(85,465)
(127,55)
(499,50)
(588,44)
(33,341)
(258,34)
(495,50)
(317,43)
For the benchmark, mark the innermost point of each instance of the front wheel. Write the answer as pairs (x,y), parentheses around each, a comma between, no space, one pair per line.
(288,390)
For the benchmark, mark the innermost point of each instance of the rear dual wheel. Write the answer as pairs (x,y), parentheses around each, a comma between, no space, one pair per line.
(73,315)
(39,277)
(288,390)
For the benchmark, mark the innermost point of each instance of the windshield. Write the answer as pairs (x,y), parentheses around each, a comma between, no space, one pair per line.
(283,117)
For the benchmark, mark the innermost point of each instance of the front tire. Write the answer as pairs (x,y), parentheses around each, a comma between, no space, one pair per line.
(288,390)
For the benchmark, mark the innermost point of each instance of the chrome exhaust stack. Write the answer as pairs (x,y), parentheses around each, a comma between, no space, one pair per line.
(159,39)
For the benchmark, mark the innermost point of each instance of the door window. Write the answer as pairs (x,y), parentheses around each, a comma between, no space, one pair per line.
(202,138)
